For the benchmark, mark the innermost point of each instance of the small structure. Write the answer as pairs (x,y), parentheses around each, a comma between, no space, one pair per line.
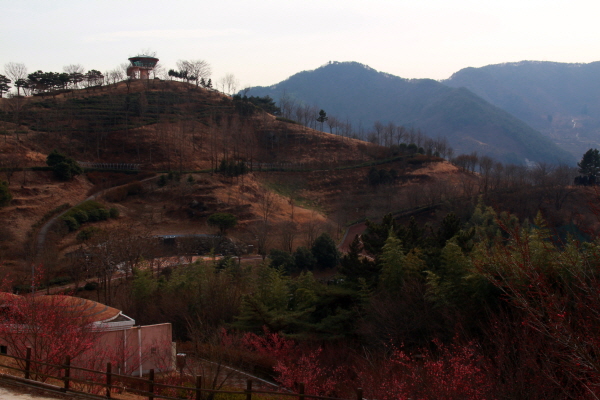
(141,66)
(113,335)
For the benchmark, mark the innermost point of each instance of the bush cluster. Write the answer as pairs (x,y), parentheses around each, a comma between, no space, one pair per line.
(88,211)
(120,193)
(382,176)
(322,255)
(232,168)
(65,168)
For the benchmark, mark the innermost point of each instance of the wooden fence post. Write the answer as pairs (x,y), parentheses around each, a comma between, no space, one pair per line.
(67,374)
(249,389)
(27,362)
(359,394)
(151,385)
(108,379)
(198,387)
(301,391)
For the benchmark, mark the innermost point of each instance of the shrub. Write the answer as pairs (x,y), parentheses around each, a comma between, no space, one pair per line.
(63,171)
(60,280)
(117,194)
(134,188)
(87,233)
(91,286)
(64,167)
(103,214)
(71,223)
(81,216)
(5,195)
(94,215)
(289,121)
(114,212)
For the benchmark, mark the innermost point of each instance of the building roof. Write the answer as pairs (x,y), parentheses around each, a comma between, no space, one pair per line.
(92,310)
(143,61)
(89,309)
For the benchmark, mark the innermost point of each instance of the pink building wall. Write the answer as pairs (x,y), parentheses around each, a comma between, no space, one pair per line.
(122,348)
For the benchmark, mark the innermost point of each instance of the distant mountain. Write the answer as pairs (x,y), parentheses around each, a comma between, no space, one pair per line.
(363,96)
(560,100)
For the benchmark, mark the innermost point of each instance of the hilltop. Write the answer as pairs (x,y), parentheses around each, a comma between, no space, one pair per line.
(318,178)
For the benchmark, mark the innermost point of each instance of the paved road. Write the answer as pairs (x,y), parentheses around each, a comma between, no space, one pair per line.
(11,392)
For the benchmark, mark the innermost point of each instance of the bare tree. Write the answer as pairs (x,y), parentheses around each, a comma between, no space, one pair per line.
(266,205)
(311,229)
(332,122)
(378,129)
(74,68)
(485,168)
(229,83)
(159,71)
(10,163)
(260,233)
(288,231)
(198,69)
(400,134)
(287,104)
(116,75)
(16,72)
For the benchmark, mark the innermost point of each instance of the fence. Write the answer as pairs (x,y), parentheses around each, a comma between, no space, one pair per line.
(112,384)
(114,166)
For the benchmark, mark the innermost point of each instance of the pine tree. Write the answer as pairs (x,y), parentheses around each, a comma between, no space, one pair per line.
(392,271)
(322,118)
(589,166)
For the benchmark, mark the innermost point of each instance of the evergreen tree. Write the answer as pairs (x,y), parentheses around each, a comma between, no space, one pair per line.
(65,168)
(223,221)
(4,81)
(281,259)
(376,234)
(356,268)
(589,166)
(325,252)
(304,259)
(322,118)
(392,259)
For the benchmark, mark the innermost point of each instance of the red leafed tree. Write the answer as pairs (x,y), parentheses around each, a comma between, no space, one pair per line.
(48,325)
(453,372)
(449,372)
(294,365)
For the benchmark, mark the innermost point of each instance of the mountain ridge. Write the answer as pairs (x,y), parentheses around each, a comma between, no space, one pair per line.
(561,100)
(363,96)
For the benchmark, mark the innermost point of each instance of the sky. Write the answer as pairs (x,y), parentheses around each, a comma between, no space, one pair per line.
(263,42)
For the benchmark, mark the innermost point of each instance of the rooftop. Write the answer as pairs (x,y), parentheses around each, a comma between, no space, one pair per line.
(96,312)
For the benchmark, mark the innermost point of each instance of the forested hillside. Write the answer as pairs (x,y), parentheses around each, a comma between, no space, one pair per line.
(560,100)
(307,257)
(358,94)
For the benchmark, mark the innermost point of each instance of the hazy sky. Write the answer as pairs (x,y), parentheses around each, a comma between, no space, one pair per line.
(263,41)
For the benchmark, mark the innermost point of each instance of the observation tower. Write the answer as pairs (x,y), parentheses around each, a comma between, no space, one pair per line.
(141,66)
